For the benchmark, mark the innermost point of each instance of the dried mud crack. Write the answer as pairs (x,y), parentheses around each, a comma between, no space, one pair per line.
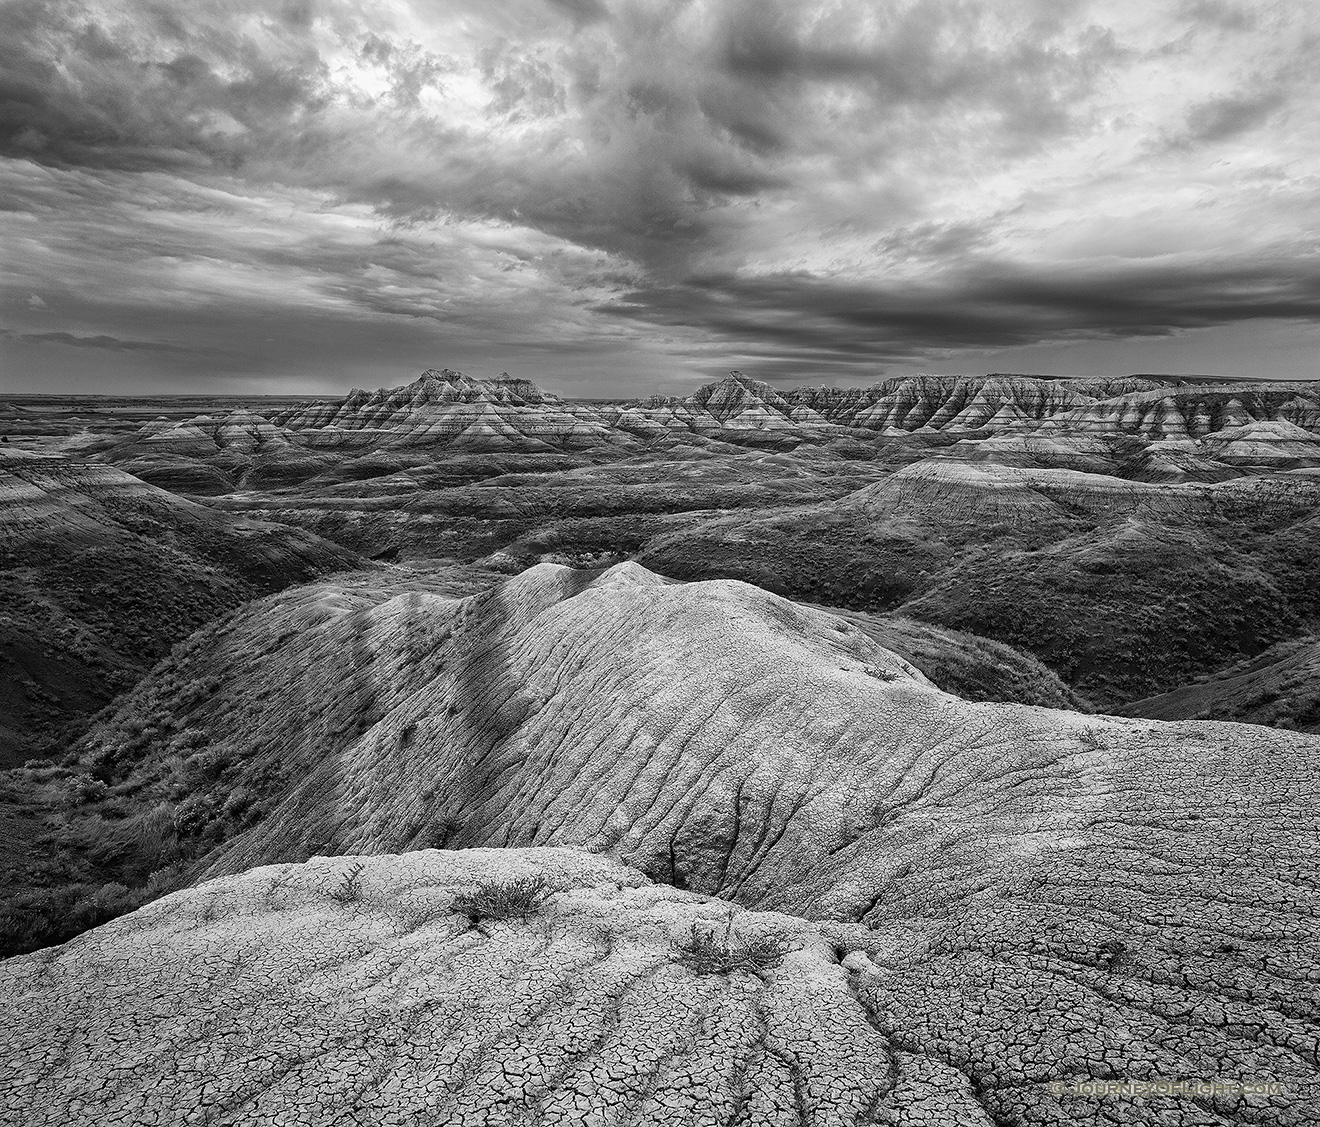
(969,912)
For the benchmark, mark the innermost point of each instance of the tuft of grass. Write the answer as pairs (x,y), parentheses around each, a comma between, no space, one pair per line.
(708,952)
(349,889)
(517,899)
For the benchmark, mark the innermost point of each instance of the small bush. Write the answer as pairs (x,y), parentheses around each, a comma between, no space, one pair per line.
(517,899)
(193,815)
(83,789)
(204,767)
(708,952)
(349,889)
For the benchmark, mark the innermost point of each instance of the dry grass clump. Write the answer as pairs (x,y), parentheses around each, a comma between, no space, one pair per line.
(516,899)
(349,889)
(708,952)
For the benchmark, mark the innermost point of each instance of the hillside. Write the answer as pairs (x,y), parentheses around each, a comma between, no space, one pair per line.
(100,573)
(711,735)
(1279,687)
(1081,521)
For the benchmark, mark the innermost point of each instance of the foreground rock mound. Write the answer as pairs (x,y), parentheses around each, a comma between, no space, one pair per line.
(369,992)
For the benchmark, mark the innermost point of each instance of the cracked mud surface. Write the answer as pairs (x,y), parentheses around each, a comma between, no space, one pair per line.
(1004,897)
(261,999)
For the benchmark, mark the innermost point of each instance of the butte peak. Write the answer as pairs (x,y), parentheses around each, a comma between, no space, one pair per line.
(439,385)
(741,398)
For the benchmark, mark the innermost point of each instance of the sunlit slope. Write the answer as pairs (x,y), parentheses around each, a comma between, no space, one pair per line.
(711,734)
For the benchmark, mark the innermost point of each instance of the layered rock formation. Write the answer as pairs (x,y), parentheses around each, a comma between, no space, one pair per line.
(980,908)
(955,493)
(446,408)
(1073,423)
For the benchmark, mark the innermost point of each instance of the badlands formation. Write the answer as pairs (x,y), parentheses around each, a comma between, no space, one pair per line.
(1079,520)
(873,749)
(1136,427)
(980,907)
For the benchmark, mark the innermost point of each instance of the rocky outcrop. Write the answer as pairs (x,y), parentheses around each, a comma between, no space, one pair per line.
(447,408)
(1276,444)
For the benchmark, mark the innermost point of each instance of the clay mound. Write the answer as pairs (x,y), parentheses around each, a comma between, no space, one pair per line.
(269,1001)
(365,989)
(711,734)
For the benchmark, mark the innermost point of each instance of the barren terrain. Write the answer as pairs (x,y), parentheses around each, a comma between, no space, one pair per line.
(908,755)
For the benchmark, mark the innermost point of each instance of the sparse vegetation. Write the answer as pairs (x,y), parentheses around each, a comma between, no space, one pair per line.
(708,951)
(516,899)
(349,888)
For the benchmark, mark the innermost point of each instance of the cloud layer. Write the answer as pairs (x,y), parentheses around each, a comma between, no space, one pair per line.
(620,194)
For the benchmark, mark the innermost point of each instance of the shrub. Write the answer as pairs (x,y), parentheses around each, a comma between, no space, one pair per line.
(516,899)
(349,889)
(1091,739)
(193,815)
(202,768)
(708,952)
(238,802)
(83,789)
(105,903)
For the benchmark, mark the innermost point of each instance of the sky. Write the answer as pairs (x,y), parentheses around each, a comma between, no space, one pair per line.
(631,196)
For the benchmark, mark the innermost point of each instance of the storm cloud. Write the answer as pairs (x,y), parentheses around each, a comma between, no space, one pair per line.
(621,195)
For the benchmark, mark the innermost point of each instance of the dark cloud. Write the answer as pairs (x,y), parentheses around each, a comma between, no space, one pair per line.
(991,308)
(581,11)
(112,344)
(827,184)
(1220,119)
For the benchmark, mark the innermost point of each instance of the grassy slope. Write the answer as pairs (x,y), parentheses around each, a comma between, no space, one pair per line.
(87,605)
(1280,688)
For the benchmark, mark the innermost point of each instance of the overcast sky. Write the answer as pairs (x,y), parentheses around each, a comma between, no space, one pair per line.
(621,196)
